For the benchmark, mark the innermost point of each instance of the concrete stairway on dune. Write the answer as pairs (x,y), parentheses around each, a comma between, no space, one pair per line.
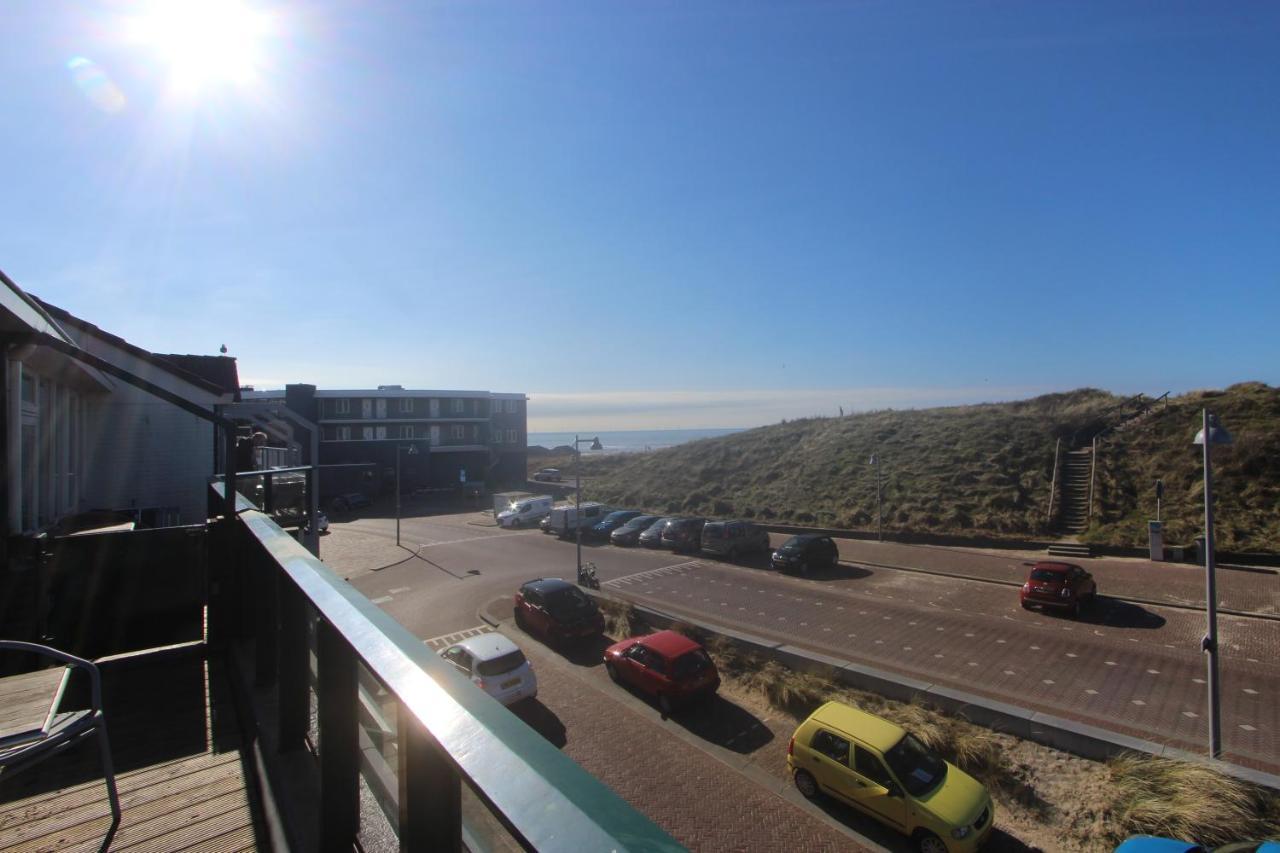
(1074,515)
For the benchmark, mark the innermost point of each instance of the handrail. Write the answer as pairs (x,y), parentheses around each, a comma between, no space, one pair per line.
(1093,468)
(540,795)
(1053,485)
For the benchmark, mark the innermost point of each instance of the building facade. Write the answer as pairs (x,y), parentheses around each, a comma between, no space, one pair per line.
(444,438)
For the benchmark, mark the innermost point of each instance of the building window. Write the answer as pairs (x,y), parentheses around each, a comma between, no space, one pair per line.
(497,436)
(435,407)
(459,405)
(511,436)
(406,431)
(406,404)
(366,433)
(459,431)
(342,406)
(344,433)
(382,432)
(475,433)
(512,408)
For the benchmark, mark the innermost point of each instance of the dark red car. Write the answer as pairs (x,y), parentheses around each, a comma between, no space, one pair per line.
(557,610)
(1064,586)
(666,665)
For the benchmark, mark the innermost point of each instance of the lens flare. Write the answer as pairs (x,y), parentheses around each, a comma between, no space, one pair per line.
(205,42)
(95,85)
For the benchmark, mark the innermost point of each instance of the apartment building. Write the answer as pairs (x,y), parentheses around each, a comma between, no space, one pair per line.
(456,436)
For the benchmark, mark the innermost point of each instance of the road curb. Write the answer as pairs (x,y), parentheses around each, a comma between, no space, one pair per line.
(1082,739)
(1244,614)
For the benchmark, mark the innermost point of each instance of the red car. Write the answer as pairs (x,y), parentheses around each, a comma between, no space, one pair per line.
(666,665)
(557,610)
(1062,585)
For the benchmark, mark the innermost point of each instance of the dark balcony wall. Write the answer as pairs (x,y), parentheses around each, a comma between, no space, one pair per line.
(115,592)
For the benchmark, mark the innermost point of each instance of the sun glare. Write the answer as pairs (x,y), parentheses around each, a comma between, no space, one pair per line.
(205,42)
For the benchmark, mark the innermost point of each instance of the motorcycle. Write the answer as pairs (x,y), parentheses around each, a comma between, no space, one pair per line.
(587,576)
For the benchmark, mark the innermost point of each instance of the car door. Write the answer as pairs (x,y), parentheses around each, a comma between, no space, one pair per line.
(632,665)
(875,789)
(829,553)
(536,614)
(829,761)
(460,658)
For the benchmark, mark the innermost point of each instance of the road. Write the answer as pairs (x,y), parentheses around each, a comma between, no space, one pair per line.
(1134,668)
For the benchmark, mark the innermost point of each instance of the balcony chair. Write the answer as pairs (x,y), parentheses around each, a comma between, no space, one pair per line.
(26,739)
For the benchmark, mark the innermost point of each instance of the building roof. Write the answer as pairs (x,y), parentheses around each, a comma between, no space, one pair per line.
(66,318)
(219,370)
(385,391)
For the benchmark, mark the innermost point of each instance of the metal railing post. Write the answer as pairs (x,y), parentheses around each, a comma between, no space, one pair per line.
(1053,484)
(293,683)
(338,710)
(265,627)
(430,792)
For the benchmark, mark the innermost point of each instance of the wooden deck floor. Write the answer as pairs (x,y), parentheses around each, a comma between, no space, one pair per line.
(176,748)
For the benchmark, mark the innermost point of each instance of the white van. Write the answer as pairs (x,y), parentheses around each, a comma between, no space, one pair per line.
(564,519)
(525,511)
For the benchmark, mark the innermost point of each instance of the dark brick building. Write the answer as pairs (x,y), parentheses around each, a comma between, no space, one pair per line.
(477,434)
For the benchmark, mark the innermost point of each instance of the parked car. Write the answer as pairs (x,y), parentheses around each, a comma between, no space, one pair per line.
(667,665)
(884,771)
(547,475)
(629,533)
(495,665)
(804,553)
(557,610)
(603,528)
(652,536)
(733,538)
(349,501)
(564,520)
(545,524)
(526,511)
(1154,844)
(322,523)
(683,534)
(1064,586)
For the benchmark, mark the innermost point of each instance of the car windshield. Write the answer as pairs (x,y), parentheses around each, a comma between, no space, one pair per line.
(617,517)
(916,766)
(639,523)
(1048,575)
(690,664)
(659,524)
(795,543)
(568,602)
(497,666)
(714,531)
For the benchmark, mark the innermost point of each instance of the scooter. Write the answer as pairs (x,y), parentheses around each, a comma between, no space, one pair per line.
(587,576)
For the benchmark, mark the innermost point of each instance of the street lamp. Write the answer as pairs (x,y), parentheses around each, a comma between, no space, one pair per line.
(875,460)
(1209,435)
(412,450)
(577,488)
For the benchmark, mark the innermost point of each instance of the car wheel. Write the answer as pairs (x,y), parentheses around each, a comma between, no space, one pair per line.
(612,670)
(1025,606)
(806,784)
(664,704)
(804,567)
(521,622)
(1075,610)
(927,842)
(340,505)
(733,555)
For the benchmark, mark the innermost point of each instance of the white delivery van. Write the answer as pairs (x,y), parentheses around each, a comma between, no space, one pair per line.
(564,519)
(525,511)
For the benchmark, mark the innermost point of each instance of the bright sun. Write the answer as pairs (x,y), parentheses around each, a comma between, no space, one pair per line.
(205,42)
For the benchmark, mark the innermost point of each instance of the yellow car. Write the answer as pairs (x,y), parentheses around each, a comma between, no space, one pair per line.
(881,769)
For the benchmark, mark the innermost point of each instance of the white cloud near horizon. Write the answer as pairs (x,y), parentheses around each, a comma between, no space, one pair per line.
(621,410)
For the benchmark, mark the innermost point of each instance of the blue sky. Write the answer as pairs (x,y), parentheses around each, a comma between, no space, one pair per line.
(675,214)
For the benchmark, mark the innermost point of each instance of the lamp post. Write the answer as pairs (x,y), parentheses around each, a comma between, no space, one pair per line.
(1210,434)
(412,450)
(875,460)
(577,488)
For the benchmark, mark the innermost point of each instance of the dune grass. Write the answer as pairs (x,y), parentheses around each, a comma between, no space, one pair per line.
(972,470)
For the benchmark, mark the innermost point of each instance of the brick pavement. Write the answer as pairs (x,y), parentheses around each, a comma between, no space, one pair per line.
(1134,579)
(701,801)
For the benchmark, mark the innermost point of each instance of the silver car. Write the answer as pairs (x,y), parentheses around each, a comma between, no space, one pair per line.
(495,665)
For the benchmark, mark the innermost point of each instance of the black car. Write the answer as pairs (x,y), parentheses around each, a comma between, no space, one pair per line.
(349,501)
(611,522)
(629,533)
(652,535)
(805,552)
(557,610)
(683,534)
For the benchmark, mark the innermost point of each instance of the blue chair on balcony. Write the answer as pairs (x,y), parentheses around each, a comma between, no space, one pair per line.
(33,727)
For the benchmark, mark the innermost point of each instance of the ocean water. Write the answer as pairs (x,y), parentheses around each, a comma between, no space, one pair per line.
(628,441)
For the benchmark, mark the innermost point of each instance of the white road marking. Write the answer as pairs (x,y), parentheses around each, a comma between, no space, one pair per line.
(1138,702)
(1191,714)
(383,599)
(1251,691)
(1092,692)
(1153,672)
(400,589)
(438,643)
(1247,727)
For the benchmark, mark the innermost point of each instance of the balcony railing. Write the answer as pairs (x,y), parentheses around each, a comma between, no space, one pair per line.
(442,756)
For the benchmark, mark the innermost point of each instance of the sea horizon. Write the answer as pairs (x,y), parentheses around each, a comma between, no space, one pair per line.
(628,440)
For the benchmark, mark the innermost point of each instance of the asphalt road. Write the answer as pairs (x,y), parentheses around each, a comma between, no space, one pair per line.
(1123,666)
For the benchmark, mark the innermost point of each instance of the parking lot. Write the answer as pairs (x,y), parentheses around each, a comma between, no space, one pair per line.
(1129,667)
